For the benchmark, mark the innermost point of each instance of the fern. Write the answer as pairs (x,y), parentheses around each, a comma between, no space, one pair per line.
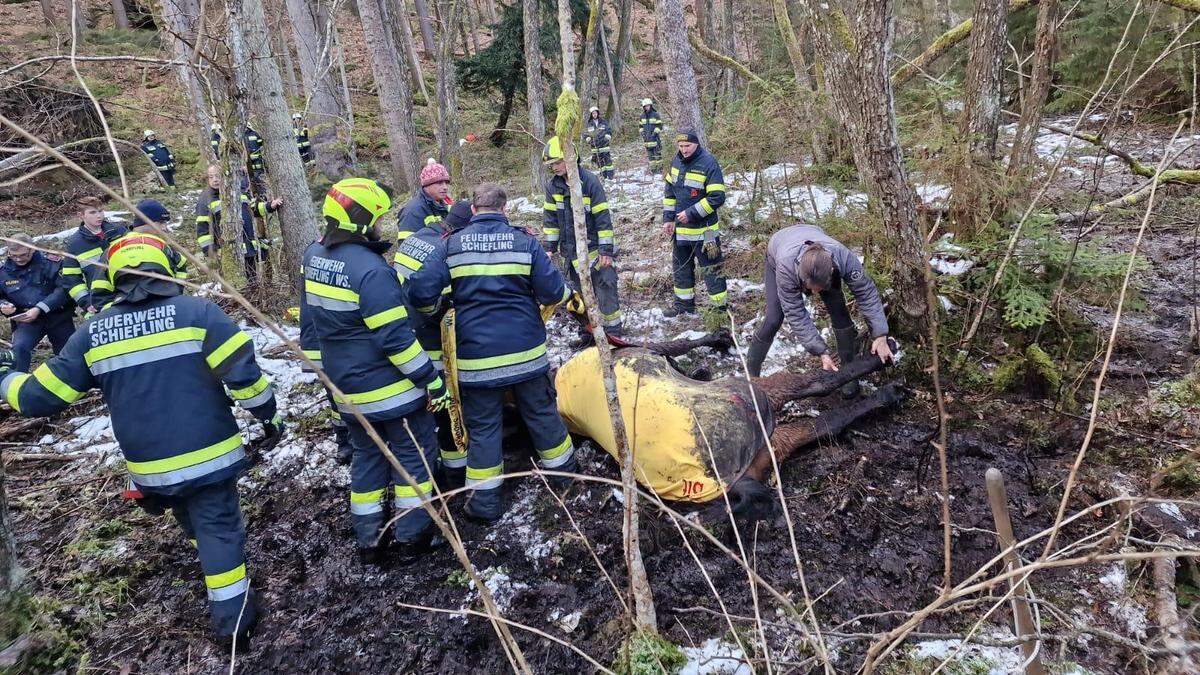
(1025,307)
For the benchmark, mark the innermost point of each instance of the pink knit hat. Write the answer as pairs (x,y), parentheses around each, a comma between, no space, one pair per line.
(434,173)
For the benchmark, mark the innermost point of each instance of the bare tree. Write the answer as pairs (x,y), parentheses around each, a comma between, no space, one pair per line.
(1039,85)
(311,27)
(624,44)
(289,65)
(447,88)
(48,13)
(422,8)
(856,56)
(120,17)
(298,218)
(676,51)
(77,15)
(731,79)
(403,31)
(9,569)
(395,99)
(534,89)
(179,20)
(347,102)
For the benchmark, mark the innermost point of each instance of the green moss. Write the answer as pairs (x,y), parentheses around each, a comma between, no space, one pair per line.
(1183,479)
(1032,371)
(458,578)
(648,654)
(55,648)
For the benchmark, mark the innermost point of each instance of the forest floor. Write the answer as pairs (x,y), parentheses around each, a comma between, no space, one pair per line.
(118,590)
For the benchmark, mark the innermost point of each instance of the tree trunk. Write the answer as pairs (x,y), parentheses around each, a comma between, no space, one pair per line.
(855,59)
(326,109)
(624,43)
(730,78)
(426,27)
(9,569)
(973,181)
(447,90)
(614,94)
(506,108)
(534,90)
(395,100)
(796,55)
(289,66)
(403,31)
(1039,86)
(48,13)
(943,13)
(676,52)
(297,217)
(639,585)
(471,23)
(120,17)
(77,15)
(347,102)
(587,91)
(179,19)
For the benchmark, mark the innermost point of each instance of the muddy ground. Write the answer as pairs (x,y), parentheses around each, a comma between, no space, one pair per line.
(122,590)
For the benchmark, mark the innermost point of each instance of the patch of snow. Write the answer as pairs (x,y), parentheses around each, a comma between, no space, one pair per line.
(116,216)
(998,660)
(952,268)
(525,205)
(566,622)
(715,657)
(1115,578)
(518,528)
(1173,511)
(933,194)
(946,304)
(1131,616)
(500,585)
(617,495)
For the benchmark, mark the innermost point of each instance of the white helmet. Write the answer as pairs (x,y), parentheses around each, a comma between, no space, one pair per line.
(593,109)
(148,133)
(647,101)
(215,126)
(296,116)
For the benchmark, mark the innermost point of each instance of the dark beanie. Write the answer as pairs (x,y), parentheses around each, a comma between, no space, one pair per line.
(460,214)
(154,210)
(687,134)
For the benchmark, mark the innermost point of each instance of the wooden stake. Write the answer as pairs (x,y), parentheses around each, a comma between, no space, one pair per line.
(1023,618)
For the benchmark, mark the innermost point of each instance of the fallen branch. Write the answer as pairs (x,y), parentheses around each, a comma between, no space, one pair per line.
(1184,176)
(43,456)
(728,62)
(943,44)
(1169,622)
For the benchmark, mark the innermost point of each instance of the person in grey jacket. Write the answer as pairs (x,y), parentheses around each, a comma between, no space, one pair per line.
(803,260)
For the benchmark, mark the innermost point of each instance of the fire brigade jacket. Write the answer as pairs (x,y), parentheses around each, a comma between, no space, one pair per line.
(498,274)
(360,315)
(85,272)
(153,360)
(558,221)
(697,186)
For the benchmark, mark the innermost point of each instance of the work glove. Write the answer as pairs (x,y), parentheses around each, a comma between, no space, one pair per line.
(439,395)
(576,305)
(712,245)
(7,357)
(272,434)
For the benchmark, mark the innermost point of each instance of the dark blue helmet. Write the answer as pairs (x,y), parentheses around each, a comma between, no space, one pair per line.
(154,210)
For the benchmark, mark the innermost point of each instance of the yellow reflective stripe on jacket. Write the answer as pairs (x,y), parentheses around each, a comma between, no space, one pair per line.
(403,234)
(327,291)
(260,385)
(381,393)
(187,459)
(54,385)
(600,208)
(218,355)
(139,343)
(696,231)
(408,261)
(502,360)
(89,254)
(549,206)
(411,352)
(102,284)
(77,291)
(385,317)
(704,207)
(486,270)
(72,269)
(715,187)
(432,218)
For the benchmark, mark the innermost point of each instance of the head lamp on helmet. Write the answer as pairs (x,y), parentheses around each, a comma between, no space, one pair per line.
(138,251)
(354,204)
(553,151)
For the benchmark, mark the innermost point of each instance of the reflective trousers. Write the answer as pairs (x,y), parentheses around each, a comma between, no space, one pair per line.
(372,476)
(483,410)
(211,517)
(686,257)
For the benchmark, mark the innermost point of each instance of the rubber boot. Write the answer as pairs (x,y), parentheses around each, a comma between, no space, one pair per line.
(452,477)
(560,483)
(847,350)
(427,542)
(679,309)
(755,355)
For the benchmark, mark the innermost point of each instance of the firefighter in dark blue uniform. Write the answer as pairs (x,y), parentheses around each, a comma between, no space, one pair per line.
(558,226)
(32,297)
(160,156)
(652,128)
(208,222)
(428,206)
(154,350)
(83,274)
(369,352)
(498,275)
(694,190)
(159,220)
(303,144)
(215,139)
(428,329)
(599,137)
(256,164)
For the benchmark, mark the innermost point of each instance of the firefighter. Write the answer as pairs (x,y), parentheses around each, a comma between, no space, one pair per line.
(300,131)
(208,222)
(160,156)
(652,127)
(409,258)
(215,138)
(804,261)
(159,220)
(429,205)
(311,346)
(255,163)
(369,351)
(33,299)
(599,137)
(83,275)
(154,350)
(558,226)
(498,275)
(694,190)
